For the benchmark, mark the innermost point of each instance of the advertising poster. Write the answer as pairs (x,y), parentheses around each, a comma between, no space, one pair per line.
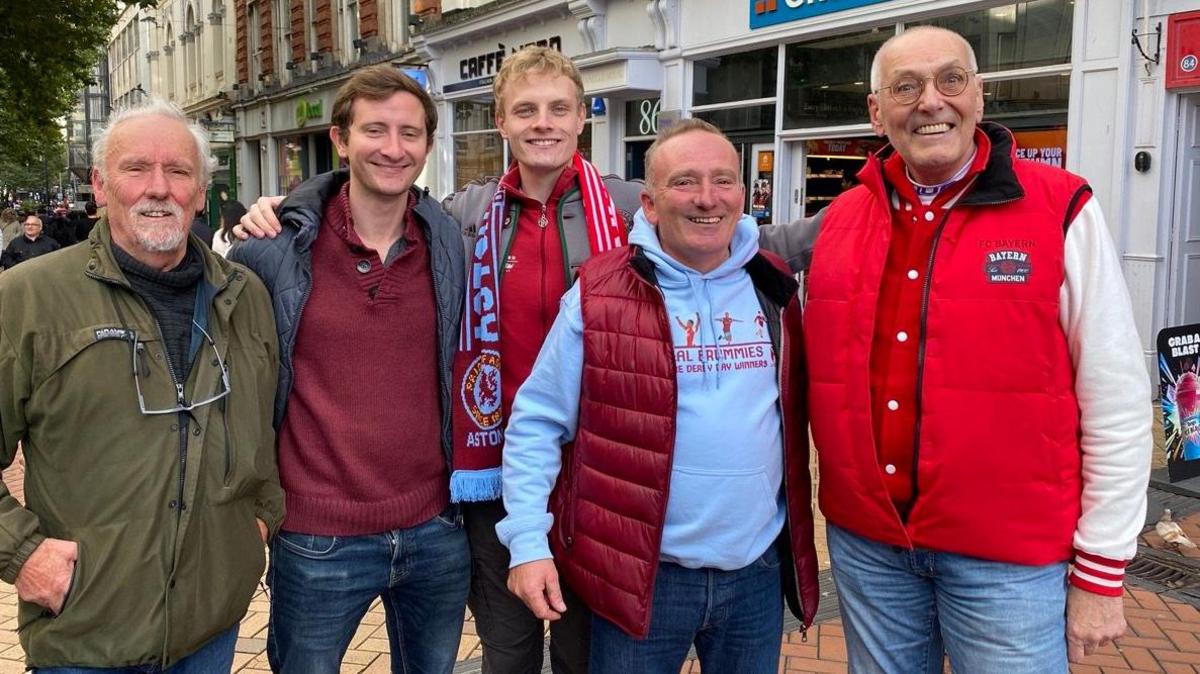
(1179,381)
(1047,146)
(760,187)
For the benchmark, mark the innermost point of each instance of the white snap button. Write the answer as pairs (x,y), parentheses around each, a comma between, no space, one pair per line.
(893,405)
(902,336)
(889,469)
(928,216)
(913,274)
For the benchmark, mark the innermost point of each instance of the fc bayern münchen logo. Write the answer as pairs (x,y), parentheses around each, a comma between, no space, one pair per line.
(481,390)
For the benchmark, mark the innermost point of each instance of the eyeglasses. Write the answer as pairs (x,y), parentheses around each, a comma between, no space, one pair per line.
(950,82)
(182,405)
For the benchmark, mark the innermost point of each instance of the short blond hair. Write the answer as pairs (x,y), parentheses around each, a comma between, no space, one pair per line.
(534,60)
(679,128)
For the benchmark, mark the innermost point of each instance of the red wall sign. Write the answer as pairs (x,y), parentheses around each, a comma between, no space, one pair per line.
(1183,50)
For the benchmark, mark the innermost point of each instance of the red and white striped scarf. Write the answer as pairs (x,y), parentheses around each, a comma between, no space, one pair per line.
(478,419)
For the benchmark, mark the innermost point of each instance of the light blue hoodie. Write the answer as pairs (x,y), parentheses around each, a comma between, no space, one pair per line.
(725,506)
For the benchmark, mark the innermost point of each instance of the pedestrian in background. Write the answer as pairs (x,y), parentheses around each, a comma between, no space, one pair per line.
(31,243)
(10,226)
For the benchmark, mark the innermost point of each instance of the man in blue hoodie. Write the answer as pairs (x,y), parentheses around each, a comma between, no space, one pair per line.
(664,473)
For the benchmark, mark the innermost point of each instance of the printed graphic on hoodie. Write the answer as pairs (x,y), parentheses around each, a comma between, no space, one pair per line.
(735,348)
(689,328)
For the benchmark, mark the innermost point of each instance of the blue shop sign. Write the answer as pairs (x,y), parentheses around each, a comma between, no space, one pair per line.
(765,13)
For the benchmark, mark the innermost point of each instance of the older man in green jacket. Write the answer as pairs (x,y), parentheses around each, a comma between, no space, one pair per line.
(137,370)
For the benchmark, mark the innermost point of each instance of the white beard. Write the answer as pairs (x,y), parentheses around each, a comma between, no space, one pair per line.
(158,235)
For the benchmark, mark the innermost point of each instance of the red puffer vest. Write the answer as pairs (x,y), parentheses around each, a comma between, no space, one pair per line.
(996,464)
(611,499)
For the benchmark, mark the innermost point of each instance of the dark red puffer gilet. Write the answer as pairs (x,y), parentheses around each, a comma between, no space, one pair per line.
(611,499)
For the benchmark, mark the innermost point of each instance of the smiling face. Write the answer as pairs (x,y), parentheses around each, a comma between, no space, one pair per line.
(151,184)
(386,145)
(541,117)
(936,134)
(695,200)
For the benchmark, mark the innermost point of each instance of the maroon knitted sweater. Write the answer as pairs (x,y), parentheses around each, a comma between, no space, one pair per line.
(360,447)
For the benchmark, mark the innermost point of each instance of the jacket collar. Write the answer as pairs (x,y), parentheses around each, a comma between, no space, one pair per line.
(304,207)
(996,184)
(101,263)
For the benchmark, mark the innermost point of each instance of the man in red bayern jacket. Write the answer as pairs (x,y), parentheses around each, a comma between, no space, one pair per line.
(979,399)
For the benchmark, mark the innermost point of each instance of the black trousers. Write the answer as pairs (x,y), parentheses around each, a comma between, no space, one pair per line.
(512,637)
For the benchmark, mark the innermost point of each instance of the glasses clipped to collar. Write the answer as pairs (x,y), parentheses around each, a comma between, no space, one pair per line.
(137,349)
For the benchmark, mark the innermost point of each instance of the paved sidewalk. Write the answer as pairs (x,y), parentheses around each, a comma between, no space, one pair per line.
(1164,634)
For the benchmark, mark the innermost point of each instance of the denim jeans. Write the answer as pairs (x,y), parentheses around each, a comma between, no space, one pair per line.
(216,655)
(902,608)
(734,618)
(322,586)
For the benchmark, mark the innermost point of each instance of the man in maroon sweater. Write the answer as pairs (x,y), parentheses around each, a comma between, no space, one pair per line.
(366,277)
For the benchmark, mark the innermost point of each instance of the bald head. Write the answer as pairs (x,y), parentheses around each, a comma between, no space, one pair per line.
(915,34)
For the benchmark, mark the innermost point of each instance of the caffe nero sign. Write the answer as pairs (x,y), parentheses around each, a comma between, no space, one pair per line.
(479,70)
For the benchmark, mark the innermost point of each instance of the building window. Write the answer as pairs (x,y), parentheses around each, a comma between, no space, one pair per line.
(283,37)
(1019,35)
(736,92)
(348,29)
(253,42)
(828,80)
(218,43)
(478,148)
(735,77)
(169,64)
(293,162)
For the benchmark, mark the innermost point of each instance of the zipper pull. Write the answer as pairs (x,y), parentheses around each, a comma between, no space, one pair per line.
(804,635)
(542,217)
(179,394)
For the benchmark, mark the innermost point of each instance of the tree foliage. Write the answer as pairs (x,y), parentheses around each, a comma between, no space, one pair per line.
(48,49)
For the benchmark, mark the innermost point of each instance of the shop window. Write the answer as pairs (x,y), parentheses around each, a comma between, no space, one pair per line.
(735,77)
(293,162)
(826,82)
(477,156)
(738,120)
(831,167)
(1018,35)
(478,147)
(1031,102)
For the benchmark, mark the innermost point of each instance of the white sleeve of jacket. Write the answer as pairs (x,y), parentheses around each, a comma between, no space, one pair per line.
(1113,389)
(544,416)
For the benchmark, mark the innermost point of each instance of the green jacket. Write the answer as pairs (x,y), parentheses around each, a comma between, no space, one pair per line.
(163,507)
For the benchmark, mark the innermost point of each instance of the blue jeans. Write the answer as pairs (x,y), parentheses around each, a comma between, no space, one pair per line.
(322,586)
(901,608)
(735,619)
(216,655)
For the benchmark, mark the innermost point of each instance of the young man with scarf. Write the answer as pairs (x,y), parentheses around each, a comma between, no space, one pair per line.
(526,234)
